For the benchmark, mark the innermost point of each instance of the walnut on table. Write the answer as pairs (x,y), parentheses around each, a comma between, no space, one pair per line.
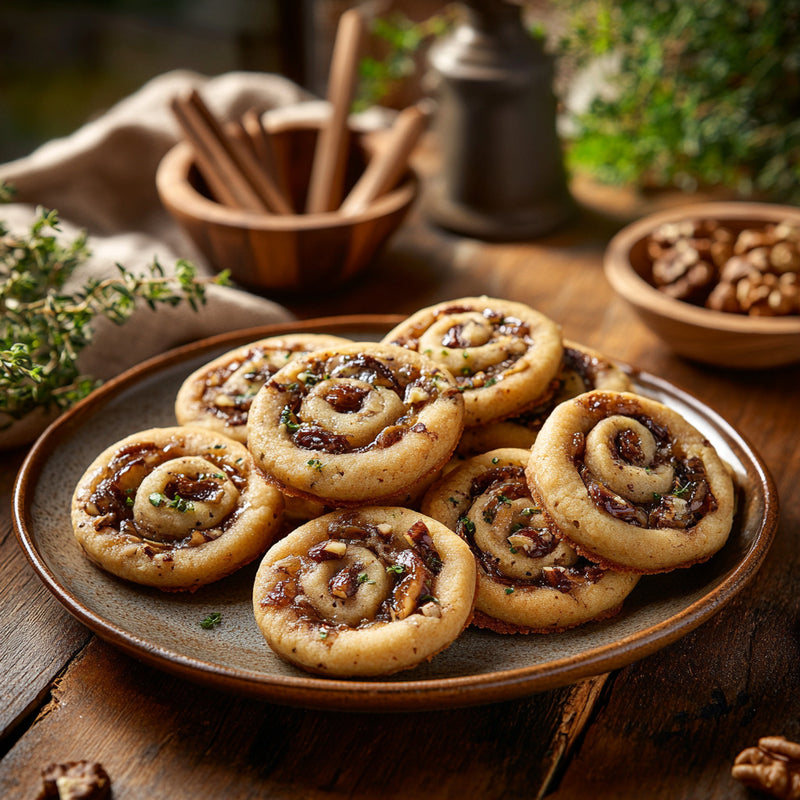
(75,780)
(772,767)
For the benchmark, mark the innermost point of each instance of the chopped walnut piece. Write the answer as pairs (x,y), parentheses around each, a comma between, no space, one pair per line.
(785,257)
(335,548)
(723,298)
(737,268)
(772,767)
(683,271)
(75,780)
(787,232)
(750,239)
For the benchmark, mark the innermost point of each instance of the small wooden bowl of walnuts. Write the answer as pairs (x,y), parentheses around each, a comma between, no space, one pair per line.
(719,283)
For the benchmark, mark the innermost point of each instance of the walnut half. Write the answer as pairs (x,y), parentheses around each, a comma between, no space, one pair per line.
(772,767)
(75,780)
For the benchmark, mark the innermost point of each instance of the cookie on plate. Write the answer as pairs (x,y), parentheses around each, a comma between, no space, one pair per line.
(504,356)
(218,394)
(631,483)
(529,579)
(174,508)
(364,592)
(361,423)
(582,369)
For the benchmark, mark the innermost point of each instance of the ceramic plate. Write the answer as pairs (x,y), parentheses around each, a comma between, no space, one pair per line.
(164,630)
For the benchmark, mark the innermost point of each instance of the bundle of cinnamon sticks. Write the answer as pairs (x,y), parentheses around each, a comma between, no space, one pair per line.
(238,164)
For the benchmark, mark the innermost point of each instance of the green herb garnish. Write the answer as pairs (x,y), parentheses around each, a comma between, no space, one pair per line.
(289,420)
(469,525)
(211,621)
(179,503)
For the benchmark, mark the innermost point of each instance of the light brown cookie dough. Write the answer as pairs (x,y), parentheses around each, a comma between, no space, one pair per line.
(503,355)
(175,508)
(364,592)
(582,369)
(218,394)
(528,579)
(631,483)
(361,423)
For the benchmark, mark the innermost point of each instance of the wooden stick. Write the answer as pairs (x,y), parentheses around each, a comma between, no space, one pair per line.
(226,184)
(243,160)
(262,147)
(387,166)
(330,157)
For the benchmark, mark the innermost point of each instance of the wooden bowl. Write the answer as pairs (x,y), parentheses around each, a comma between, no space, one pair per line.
(290,252)
(700,334)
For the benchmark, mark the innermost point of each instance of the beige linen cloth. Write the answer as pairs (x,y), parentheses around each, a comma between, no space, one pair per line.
(101,179)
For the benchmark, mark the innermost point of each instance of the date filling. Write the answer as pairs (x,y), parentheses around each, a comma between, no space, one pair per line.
(111,502)
(501,326)
(414,388)
(689,498)
(402,569)
(504,485)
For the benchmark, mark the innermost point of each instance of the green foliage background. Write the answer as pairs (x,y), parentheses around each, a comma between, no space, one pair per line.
(707,94)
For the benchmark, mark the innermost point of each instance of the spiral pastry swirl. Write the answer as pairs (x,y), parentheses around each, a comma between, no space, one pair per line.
(503,355)
(175,508)
(631,483)
(218,395)
(582,370)
(364,592)
(362,423)
(529,579)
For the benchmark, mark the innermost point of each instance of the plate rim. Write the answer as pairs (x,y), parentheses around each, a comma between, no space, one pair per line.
(377,695)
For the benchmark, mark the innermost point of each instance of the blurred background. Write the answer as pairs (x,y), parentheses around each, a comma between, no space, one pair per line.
(651,92)
(64,61)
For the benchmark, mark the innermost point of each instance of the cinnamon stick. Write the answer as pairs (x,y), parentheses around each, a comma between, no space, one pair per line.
(387,167)
(330,156)
(243,161)
(260,141)
(224,181)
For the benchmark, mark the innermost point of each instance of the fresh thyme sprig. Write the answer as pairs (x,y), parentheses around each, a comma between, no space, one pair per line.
(44,328)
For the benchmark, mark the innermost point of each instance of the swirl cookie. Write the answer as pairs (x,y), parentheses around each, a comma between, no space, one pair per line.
(364,592)
(529,580)
(582,369)
(175,508)
(503,355)
(631,483)
(218,394)
(361,423)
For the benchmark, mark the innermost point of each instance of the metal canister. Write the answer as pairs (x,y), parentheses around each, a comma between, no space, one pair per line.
(502,173)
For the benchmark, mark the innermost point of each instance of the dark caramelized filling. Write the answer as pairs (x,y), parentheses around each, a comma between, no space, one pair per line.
(349,399)
(501,325)
(412,568)
(690,483)
(509,483)
(236,414)
(114,494)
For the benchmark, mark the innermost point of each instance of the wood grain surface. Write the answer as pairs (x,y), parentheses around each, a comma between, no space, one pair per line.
(668,726)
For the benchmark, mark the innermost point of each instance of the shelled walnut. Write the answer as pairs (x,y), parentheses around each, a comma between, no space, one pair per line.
(754,271)
(75,780)
(772,767)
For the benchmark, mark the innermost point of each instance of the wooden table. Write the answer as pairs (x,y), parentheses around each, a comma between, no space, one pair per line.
(666,727)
